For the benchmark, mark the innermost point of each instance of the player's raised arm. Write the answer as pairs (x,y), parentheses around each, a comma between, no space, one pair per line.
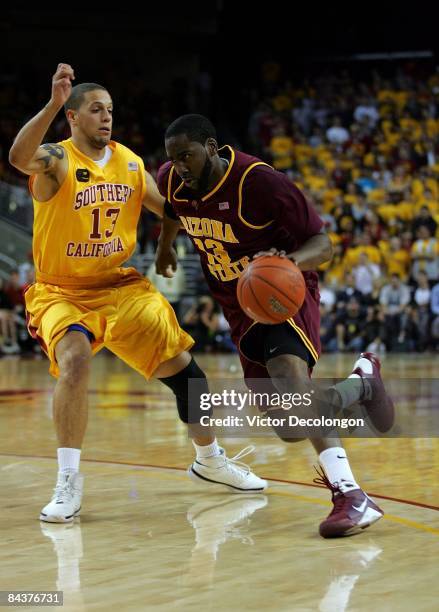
(26,153)
(153,199)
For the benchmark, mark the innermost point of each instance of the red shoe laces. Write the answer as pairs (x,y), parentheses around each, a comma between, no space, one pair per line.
(338,498)
(323,480)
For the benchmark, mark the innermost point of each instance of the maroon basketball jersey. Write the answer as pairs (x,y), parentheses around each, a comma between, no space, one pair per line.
(252,208)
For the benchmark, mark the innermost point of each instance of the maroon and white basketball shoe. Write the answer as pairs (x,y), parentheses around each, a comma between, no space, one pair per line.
(353,510)
(377,402)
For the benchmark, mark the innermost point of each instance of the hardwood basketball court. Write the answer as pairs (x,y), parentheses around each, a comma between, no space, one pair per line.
(150,539)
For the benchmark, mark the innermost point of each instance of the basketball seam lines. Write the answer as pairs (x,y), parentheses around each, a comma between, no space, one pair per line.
(258,303)
(261,278)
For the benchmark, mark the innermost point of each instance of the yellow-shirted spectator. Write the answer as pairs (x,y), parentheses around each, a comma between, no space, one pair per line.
(352,254)
(397,259)
(351,199)
(351,195)
(388,212)
(376,195)
(323,157)
(392,138)
(347,164)
(410,126)
(303,152)
(305,169)
(281,149)
(383,146)
(417,188)
(329,196)
(432,185)
(335,269)
(355,173)
(419,148)
(334,238)
(385,95)
(320,151)
(385,110)
(429,201)
(400,98)
(406,207)
(387,127)
(384,246)
(399,182)
(329,164)
(369,160)
(316,182)
(282,103)
(432,127)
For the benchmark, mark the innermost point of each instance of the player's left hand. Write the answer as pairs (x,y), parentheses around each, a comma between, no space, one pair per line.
(165,261)
(270,253)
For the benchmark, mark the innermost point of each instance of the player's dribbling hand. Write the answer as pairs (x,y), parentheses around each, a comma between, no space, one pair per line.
(62,84)
(270,253)
(166,262)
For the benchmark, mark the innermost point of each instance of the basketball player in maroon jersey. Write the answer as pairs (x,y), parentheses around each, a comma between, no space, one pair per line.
(234,206)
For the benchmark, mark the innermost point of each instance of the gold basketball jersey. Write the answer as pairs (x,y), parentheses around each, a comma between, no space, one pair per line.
(88,229)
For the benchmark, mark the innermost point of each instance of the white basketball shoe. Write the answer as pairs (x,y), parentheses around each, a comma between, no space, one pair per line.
(66,501)
(230,473)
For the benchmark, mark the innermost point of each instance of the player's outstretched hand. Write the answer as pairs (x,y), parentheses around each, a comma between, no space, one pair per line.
(269,253)
(62,84)
(165,262)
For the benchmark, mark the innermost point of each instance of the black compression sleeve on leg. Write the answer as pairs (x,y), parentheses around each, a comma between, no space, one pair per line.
(179,384)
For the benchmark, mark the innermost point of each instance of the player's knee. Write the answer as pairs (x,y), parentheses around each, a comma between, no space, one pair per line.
(74,362)
(189,408)
(283,430)
(288,373)
(286,366)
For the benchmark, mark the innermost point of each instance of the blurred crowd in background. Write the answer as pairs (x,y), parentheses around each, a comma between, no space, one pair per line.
(364,148)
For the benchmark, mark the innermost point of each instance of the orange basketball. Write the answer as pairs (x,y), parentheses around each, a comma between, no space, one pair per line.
(271,289)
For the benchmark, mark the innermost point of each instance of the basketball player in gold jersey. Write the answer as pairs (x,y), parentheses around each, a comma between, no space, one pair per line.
(87,193)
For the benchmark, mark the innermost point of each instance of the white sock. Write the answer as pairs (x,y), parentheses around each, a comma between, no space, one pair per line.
(337,469)
(210,450)
(68,460)
(364,364)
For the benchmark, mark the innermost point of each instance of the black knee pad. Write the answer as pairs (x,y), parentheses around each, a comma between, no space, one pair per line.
(179,384)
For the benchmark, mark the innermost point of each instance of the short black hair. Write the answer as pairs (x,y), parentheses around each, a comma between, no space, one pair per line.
(76,98)
(196,127)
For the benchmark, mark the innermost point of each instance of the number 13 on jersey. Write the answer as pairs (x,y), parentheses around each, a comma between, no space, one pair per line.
(99,219)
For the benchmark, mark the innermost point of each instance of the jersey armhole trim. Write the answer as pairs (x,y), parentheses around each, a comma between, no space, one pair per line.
(241,183)
(170,182)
